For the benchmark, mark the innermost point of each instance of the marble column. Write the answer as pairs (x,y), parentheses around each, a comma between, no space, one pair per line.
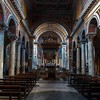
(23,60)
(91,63)
(12,58)
(78,59)
(1,52)
(83,57)
(35,53)
(18,57)
(86,54)
(68,52)
(32,53)
(64,65)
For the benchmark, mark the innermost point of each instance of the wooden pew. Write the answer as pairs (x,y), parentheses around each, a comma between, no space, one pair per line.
(10,91)
(87,85)
(94,91)
(24,81)
(73,77)
(25,84)
(31,77)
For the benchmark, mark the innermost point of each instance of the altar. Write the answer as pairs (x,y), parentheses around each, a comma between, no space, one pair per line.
(51,67)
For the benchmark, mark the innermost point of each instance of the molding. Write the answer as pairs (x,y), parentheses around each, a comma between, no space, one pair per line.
(78,24)
(18,15)
(17,8)
(86,9)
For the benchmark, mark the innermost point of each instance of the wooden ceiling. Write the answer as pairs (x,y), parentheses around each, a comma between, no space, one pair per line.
(58,11)
(48,7)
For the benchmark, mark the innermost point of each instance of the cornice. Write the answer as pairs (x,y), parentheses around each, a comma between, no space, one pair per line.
(86,9)
(17,8)
(19,12)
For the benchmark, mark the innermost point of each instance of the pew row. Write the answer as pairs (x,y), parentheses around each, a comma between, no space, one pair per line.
(87,85)
(18,86)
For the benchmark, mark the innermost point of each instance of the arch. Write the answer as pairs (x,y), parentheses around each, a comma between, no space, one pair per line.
(50,26)
(95,20)
(12,26)
(11,17)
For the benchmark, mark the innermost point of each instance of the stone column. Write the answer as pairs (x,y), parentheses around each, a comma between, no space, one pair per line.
(1,51)
(18,57)
(12,58)
(78,59)
(35,55)
(64,55)
(23,60)
(3,28)
(32,53)
(83,57)
(91,63)
(86,52)
(69,42)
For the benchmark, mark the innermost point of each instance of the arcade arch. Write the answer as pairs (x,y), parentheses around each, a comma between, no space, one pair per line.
(51,29)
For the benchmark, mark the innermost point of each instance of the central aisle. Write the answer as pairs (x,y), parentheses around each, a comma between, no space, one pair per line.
(54,90)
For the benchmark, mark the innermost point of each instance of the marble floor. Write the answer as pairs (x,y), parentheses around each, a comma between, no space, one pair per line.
(54,90)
